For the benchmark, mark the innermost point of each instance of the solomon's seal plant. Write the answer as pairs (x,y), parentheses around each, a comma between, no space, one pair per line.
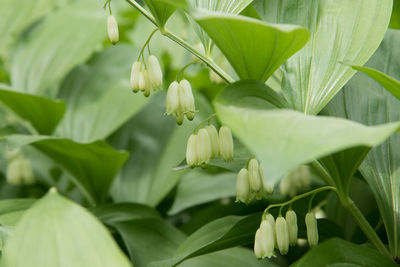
(199,133)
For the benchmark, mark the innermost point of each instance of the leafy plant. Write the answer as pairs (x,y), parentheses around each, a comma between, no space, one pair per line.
(292,107)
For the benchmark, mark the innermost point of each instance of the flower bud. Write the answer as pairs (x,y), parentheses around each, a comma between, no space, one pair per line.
(254,177)
(291,220)
(172,99)
(155,73)
(282,235)
(312,229)
(212,132)
(147,87)
(225,143)
(268,217)
(242,186)
(204,146)
(264,241)
(186,99)
(135,73)
(191,151)
(112,29)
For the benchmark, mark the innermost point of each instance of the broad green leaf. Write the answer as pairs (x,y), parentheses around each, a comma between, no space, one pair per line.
(157,146)
(255,49)
(161,10)
(338,252)
(149,239)
(198,187)
(11,210)
(43,113)
(390,84)
(64,39)
(341,30)
(223,233)
(58,232)
(222,6)
(98,96)
(16,16)
(283,139)
(395,19)
(93,166)
(117,212)
(365,101)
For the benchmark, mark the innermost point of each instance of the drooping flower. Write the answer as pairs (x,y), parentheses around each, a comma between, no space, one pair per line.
(254,176)
(212,132)
(155,72)
(264,241)
(112,29)
(191,151)
(225,143)
(186,99)
(291,219)
(203,146)
(243,193)
(312,229)
(282,235)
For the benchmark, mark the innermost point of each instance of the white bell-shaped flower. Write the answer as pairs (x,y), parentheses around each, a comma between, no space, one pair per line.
(312,229)
(186,99)
(212,132)
(155,72)
(225,143)
(282,235)
(112,29)
(147,84)
(268,217)
(191,151)
(254,176)
(172,99)
(204,146)
(242,186)
(291,219)
(264,242)
(135,73)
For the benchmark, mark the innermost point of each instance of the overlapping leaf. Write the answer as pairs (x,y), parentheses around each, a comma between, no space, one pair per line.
(64,39)
(283,139)
(58,232)
(364,100)
(340,31)
(255,49)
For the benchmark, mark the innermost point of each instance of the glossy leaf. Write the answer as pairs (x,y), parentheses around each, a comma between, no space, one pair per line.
(43,113)
(11,210)
(283,139)
(157,146)
(198,187)
(98,96)
(338,252)
(390,84)
(56,232)
(364,100)
(64,39)
(92,165)
(340,31)
(16,16)
(149,239)
(255,49)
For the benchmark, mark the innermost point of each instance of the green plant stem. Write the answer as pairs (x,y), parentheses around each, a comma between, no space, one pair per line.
(203,121)
(208,61)
(365,226)
(146,44)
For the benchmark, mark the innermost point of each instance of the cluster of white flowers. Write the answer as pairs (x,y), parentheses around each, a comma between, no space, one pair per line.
(250,183)
(146,79)
(19,169)
(297,180)
(282,233)
(112,29)
(180,101)
(208,144)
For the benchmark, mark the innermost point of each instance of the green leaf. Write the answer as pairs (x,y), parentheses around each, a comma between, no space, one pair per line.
(62,234)
(341,30)
(11,210)
(395,19)
(235,257)
(119,212)
(16,16)
(366,101)
(98,96)
(43,113)
(64,39)
(5,232)
(161,10)
(390,84)
(149,239)
(223,233)
(157,146)
(338,252)
(92,165)
(283,139)
(198,187)
(255,49)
